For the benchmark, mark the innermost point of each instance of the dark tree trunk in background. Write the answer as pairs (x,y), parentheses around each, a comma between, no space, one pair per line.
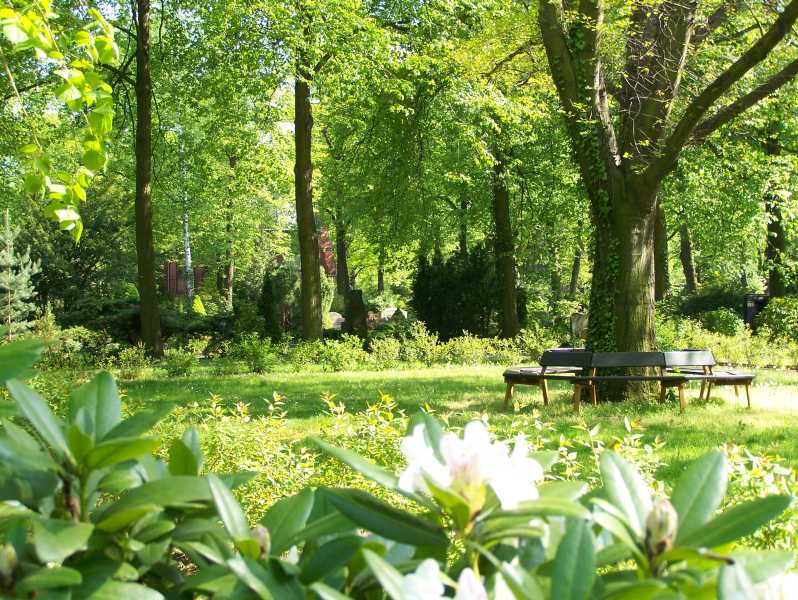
(145,248)
(310,283)
(342,285)
(188,268)
(505,253)
(662,276)
(576,268)
(229,250)
(462,234)
(381,272)
(555,278)
(686,256)
(775,247)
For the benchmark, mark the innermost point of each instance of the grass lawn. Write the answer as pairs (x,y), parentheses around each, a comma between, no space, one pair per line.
(463,393)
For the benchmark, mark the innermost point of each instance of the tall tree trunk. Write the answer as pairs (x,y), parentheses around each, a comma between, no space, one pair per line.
(555,278)
(229,261)
(381,272)
(310,284)
(686,256)
(462,232)
(188,267)
(662,278)
(145,248)
(775,247)
(341,255)
(505,253)
(576,269)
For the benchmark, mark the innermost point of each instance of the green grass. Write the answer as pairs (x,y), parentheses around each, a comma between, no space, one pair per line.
(463,393)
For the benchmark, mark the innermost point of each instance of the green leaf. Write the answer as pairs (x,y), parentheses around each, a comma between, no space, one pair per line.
(112,452)
(626,490)
(325,592)
(116,590)
(141,422)
(229,510)
(56,540)
(15,34)
(94,160)
(574,563)
(126,517)
(286,518)
(192,441)
(35,409)
(182,460)
(569,490)
(699,492)
(46,579)
(390,579)
(330,557)
(762,565)
(737,522)
(244,571)
(383,519)
(169,491)
(366,468)
(734,584)
(546,458)
(99,397)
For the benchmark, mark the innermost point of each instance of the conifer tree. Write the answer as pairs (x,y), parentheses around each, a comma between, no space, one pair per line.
(16,285)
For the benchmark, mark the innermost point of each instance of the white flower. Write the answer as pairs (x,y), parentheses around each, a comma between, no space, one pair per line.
(425,583)
(469,587)
(780,587)
(471,463)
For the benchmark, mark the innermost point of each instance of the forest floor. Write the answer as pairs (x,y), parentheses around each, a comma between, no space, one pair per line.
(460,394)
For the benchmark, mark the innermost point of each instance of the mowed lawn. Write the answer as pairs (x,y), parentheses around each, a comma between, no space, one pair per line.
(463,393)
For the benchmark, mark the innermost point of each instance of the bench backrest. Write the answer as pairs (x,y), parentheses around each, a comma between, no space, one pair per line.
(690,358)
(605,360)
(566,358)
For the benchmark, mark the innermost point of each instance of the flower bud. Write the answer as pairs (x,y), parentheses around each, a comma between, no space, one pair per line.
(661,526)
(261,534)
(8,562)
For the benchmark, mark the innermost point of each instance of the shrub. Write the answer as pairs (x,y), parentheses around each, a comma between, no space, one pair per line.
(259,354)
(131,361)
(780,318)
(179,362)
(344,354)
(466,349)
(197,306)
(722,320)
(419,345)
(386,352)
(711,298)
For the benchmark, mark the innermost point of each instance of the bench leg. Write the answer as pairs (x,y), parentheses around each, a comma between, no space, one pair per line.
(662,392)
(737,391)
(508,395)
(593,394)
(577,396)
(748,395)
(681,398)
(545,389)
(701,392)
(709,390)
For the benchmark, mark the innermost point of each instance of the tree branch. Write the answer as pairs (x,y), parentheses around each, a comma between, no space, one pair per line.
(730,111)
(704,101)
(517,52)
(715,20)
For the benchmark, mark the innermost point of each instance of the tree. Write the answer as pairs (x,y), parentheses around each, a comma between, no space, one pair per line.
(16,285)
(629,124)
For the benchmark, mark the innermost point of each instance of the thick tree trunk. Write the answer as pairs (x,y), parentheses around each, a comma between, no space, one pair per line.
(686,257)
(505,254)
(381,272)
(310,284)
(145,248)
(662,278)
(341,256)
(775,247)
(188,267)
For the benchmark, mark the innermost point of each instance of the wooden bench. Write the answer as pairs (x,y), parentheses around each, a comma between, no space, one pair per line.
(628,360)
(699,365)
(562,363)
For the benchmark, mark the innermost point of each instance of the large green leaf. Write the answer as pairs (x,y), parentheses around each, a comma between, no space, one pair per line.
(119,450)
(737,522)
(56,540)
(169,491)
(182,460)
(329,557)
(325,592)
(699,492)
(122,519)
(249,573)
(390,579)
(47,579)
(229,510)
(35,409)
(17,357)
(366,468)
(286,518)
(626,489)
(141,422)
(116,590)
(574,563)
(100,399)
(383,519)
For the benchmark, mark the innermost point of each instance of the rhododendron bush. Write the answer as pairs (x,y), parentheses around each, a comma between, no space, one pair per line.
(89,509)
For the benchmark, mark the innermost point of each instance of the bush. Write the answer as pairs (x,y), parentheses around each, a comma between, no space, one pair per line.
(386,352)
(419,345)
(722,320)
(131,361)
(780,318)
(179,362)
(197,306)
(259,354)
(711,298)
(344,354)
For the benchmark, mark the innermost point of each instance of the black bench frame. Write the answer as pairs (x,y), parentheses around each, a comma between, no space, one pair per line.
(561,363)
(688,363)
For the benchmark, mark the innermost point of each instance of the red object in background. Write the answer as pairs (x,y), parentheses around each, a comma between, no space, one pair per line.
(173,282)
(326,256)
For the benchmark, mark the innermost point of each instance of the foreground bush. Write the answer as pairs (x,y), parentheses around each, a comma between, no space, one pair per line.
(780,318)
(89,512)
